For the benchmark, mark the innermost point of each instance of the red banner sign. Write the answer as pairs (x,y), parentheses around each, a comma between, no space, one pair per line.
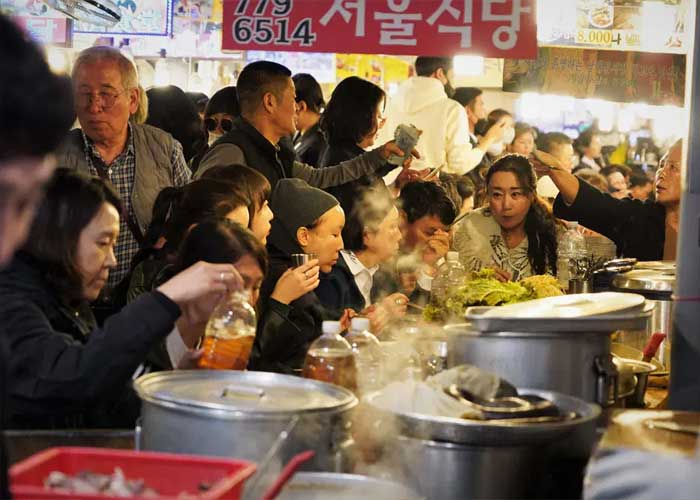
(490,28)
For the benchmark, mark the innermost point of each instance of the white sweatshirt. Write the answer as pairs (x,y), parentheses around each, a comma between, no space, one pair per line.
(421,101)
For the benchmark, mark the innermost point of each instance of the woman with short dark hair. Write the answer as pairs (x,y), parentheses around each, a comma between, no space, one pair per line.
(64,371)
(350,123)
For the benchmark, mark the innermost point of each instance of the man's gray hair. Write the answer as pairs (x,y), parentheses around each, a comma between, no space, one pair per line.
(127,69)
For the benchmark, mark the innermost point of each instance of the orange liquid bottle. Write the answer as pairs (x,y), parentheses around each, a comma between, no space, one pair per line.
(229,335)
(330,359)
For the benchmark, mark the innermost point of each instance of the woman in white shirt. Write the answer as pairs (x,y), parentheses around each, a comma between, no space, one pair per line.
(516,234)
(371,236)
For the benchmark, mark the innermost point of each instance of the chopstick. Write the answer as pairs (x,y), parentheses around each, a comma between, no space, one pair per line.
(416,306)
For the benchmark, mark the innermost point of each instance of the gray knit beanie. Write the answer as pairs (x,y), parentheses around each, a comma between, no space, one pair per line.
(295,204)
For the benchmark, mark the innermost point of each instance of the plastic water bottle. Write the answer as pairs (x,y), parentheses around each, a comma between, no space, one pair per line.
(571,255)
(330,358)
(229,334)
(368,355)
(450,275)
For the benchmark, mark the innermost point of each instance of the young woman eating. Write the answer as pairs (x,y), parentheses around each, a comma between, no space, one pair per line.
(515,234)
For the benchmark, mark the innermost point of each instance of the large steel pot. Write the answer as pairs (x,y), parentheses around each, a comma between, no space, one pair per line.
(325,485)
(570,356)
(240,414)
(654,280)
(450,459)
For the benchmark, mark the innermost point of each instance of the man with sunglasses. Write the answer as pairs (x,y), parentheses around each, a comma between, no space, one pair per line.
(643,230)
(139,160)
(260,137)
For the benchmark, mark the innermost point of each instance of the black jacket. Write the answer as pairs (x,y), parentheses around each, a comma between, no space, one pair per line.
(284,332)
(338,290)
(347,193)
(64,372)
(309,146)
(259,153)
(637,228)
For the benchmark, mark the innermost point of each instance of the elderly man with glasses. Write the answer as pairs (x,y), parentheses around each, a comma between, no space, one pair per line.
(139,160)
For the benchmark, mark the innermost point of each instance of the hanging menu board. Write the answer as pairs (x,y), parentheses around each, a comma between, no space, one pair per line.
(139,18)
(603,74)
(647,26)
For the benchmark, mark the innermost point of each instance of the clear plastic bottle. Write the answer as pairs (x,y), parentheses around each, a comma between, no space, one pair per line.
(229,334)
(330,358)
(450,275)
(368,355)
(571,255)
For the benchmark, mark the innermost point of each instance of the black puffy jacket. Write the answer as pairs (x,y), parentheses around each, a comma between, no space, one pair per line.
(63,371)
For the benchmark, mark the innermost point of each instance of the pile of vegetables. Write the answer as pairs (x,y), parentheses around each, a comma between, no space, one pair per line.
(485,290)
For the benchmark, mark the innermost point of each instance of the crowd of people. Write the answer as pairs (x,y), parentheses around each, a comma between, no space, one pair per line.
(118,238)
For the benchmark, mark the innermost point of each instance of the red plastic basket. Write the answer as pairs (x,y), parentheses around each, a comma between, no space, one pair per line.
(169,474)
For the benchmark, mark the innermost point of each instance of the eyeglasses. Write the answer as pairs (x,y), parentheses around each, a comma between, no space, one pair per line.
(211,124)
(105,99)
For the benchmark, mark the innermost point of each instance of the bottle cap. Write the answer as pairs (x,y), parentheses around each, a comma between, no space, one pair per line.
(359,324)
(330,327)
(452,256)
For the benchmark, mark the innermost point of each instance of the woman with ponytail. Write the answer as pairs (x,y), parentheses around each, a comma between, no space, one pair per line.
(175,212)
(516,234)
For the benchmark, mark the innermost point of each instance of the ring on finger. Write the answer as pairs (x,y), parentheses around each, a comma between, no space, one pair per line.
(398,302)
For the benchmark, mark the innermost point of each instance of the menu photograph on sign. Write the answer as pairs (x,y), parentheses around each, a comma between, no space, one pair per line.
(604,74)
(491,28)
(649,25)
(139,17)
(44,24)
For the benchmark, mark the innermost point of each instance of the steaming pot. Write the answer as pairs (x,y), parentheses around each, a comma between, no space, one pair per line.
(571,356)
(454,459)
(240,414)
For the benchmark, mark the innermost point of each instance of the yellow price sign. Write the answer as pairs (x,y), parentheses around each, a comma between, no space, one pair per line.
(602,38)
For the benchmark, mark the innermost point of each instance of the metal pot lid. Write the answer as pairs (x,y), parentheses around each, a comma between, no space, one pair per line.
(242,392)
(646,280)
(657,265)
(305,485)
(494,432)
(478,323)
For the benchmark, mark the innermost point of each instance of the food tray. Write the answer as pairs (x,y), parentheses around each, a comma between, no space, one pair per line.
(634,319)
(168,474)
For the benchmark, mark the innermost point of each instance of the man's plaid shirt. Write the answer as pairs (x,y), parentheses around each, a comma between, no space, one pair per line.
(122,172)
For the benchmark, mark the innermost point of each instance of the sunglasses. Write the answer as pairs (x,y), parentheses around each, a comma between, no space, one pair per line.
(212,124)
